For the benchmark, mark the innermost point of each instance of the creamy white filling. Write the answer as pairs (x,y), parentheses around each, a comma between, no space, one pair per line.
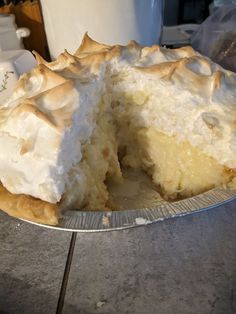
(178,110)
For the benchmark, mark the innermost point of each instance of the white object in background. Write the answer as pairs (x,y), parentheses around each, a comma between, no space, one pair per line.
(13,64)
(107,21)
(10,35)
(22,32)
(178,35)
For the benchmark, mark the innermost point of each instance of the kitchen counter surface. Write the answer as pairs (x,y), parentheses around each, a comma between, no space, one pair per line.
(184,265)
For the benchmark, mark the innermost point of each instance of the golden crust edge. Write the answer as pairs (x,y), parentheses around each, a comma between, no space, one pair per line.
(28,208)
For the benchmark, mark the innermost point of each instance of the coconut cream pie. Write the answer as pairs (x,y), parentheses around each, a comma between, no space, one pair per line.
(70,124)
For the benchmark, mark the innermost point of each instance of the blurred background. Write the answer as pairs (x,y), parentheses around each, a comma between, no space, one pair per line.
(47,21)
(29,14)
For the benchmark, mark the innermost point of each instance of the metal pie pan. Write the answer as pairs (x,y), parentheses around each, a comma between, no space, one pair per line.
(96,221)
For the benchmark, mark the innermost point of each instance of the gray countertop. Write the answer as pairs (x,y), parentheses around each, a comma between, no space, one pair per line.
(183,265)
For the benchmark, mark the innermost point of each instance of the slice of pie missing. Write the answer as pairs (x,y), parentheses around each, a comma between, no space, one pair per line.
(75,122)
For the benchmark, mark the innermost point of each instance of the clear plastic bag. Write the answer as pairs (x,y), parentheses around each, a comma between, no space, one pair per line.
(216,37)
(219,3)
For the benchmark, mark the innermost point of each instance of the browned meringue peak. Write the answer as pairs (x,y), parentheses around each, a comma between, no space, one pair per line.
(133,52)
(194,73)
(92,56)
(36,81)
(92,47)
(156,54)
(88,46)
(70,66)
(130,52)
(42,93)
(93,63)
(64,60)
(54,107)
(95,60)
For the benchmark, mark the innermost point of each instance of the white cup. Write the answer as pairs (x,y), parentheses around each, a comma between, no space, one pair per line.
(10,35)
(107,21)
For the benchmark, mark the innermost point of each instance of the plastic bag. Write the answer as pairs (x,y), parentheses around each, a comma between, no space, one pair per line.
(219,3)
(216,37)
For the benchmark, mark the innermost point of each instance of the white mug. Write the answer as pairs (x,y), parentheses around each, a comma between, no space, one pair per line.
(10,35)
(106,21)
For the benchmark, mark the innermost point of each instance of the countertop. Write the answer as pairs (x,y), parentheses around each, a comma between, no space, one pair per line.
(184,265)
